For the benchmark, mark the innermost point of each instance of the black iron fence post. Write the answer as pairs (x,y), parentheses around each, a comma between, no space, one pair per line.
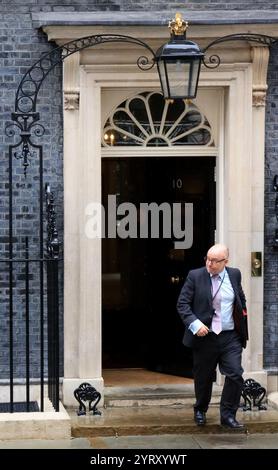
(52,265)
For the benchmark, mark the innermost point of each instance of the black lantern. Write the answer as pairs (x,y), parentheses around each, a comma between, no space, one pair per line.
(178,63)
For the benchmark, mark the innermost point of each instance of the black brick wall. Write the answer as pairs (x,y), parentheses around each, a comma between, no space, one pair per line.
(271,223)
(18,7)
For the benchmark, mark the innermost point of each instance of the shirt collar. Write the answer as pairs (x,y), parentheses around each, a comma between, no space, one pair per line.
(221,274)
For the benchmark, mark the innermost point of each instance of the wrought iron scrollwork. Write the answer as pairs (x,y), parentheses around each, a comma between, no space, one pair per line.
(258,38)
(144,63)
(28,89)
(213,61)
(253,394)
(86,392)
(52,244)
(24,127)
(26,97)
(25,118)
(25,115)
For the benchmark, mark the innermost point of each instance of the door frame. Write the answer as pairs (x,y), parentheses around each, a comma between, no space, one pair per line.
(207,175)
(82,185)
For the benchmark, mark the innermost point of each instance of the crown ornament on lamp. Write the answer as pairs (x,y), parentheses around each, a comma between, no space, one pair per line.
(178,26)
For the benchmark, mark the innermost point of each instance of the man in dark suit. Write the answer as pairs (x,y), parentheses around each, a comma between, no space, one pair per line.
(212,307)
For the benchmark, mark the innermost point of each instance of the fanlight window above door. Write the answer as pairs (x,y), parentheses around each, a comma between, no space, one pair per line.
(148,120)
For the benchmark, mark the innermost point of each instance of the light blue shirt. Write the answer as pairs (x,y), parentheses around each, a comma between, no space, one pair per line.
(227,303)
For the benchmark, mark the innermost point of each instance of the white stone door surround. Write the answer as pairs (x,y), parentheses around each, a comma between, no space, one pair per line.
(240,86)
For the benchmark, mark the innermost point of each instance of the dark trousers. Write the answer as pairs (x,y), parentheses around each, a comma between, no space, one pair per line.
(225,350)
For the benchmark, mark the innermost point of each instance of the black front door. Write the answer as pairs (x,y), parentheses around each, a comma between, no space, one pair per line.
(142,277)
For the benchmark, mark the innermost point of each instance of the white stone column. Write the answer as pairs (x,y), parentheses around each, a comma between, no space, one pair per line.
(71,225)
(82,316)
(244,192)
(238,180)
(260,56)
(90,249)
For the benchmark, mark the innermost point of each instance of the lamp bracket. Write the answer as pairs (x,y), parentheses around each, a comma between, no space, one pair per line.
(29,87)
(214,61)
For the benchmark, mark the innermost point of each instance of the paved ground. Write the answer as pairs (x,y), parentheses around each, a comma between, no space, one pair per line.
(79,443)
(186,441)
(165,427)
(168,441)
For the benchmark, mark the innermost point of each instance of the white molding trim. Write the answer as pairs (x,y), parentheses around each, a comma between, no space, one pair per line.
(71,82)
(150,33)
(182,152)
(260,57)
(235,171)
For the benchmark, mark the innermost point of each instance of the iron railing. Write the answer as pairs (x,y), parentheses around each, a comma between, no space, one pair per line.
(32,301)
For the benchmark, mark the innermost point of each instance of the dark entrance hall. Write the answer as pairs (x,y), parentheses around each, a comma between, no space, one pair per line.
(142,277)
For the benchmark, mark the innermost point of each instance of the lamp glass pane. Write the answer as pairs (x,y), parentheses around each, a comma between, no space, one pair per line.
(183,77)
(195,69)
(163,78)
(178,76)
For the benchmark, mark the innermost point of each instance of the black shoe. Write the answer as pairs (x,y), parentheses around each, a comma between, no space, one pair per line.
(231,423)
(200,417)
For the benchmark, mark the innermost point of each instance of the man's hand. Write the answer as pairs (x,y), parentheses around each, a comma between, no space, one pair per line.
(203,331)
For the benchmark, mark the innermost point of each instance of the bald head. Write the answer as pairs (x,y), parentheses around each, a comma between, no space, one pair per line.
(219,249)
(217,258)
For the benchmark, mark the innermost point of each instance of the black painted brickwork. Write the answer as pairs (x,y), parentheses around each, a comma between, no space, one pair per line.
(271,223)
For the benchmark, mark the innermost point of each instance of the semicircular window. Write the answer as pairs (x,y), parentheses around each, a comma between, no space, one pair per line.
(148,120)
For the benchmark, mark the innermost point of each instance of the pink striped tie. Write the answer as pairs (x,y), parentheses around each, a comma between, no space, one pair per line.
(216,324)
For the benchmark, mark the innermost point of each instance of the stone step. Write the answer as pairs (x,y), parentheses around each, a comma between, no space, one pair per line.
(153,395)
(155,420)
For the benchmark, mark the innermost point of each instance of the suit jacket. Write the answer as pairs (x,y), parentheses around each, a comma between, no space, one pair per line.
(195,301)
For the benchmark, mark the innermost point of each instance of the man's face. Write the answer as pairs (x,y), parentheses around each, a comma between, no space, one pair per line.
(216,260)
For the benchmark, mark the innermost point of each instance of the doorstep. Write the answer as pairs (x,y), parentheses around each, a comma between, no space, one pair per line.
(154,395)
(124,421)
